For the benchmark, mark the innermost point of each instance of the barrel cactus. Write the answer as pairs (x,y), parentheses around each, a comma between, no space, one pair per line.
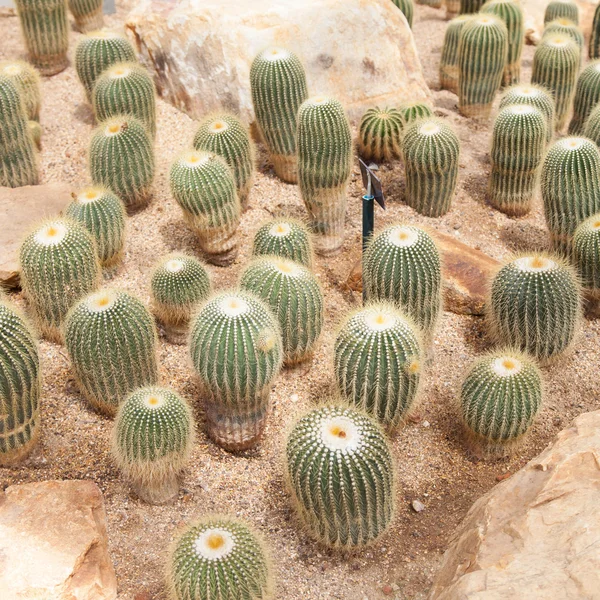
(586,255)
(557,9)
(35,133)
(285,237)
(27,82)
(408,9)
(87,14)
(594,51)
(449,57)
(567,27)
(587,97)
(591,129)
(469,7)
(413,111)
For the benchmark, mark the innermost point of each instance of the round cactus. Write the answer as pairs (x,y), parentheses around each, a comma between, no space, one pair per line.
(152,441)
(204,187)
(288,238)
(587,97)
(59,265)
(379,134)
(377,359)
(586,254)
(87,14)
(413,111)
(591,128)
(594,51)
(557,9)
(27,82)
(566,27)
(295,297)
(470,7)
(324,169)
(430,149)
(341,475)
(179,283)
(278,86)
(449,58)
(534,305)
(236,348)
(35,133)
(408,9)
(218,558)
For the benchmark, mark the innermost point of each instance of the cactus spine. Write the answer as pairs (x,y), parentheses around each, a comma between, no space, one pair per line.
(567,27)
(449,58)
(594,51)
(587,96)
(532,95)
(27,82)
(561,9)
(408,9)
(379,134)
(87,14)
(35,132)
(592,126)
(586,252)
(288,238)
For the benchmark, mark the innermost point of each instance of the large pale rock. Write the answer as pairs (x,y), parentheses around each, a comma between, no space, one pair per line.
(537,534)
(534,18)
(53,543)
(359,51)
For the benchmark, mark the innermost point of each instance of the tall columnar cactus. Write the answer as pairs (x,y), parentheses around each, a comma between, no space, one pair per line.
(452,9)
(557,9)
(20,386)
(379,134)
(121,158)
(567,27)
(293,294)
(111,340)
(288,238)
(218,558)
(532,95)
(152,441)
(592,126)
(469,7)
(402,264)
(27,82)
(341,475)
(413,111)
(59,265)
(408,9)
(587,97)
(278,86)
(449,58)
(594,50)
(236,348)
(586,254)
(204,187)
(430,149)
(378,359)
(518,145)
(500,397)
(482,56)
(324,169)
(46,31)
(87,14)
(179,283)
(534,305)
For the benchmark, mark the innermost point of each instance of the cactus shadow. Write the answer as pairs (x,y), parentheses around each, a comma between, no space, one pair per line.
(177,237)
(84,114)
(520,236)
(476,185)
(477,335)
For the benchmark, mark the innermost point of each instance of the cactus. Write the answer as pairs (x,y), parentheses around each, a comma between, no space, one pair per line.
(452,9)
(413,111)
(565,9)
(430,149)
(87,14)
(236,348)
(35,133)
(377,360)
(27,82)
(500,397)
(20,386)
(46,31)
(278,86)
(218,558)
(408,9)
(586,252)
(449,58)
(379,134)
(204,187)
(431,3)
(587,96)
(592,126)
(534,305)
(226,136)
(103,215)
(121,158)
(59,265)
(341,476)
(469,7)
(532,95)
(288,238)
(324,169)
(567,27)
(295,297)
(96,52)
(402,265)
(152,441)
(178,284)
(111,340)
(126,89)
(518,145)
(594,50)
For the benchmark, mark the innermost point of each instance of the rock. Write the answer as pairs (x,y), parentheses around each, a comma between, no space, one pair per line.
(417,506)
(53,543)
(362,53)
(20,208)
(534,18)
(536,535)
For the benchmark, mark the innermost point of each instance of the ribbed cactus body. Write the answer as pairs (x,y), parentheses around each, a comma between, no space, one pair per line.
(586,254)
(288,238)
(430,149)
(111,340)
(236,348)
(379,134)
(35,132)
(587,97)
(449,58)
(532,95)
(87,14)
(413,111)
(557,9)
(341,475)
(295,298)
(408,9)
(567,27)
(469,7)
(594,50)
(59,265)
(27,82)
(591,128)
(324,168)
(431,3)
(534,305)
(204,187)
(20,386)
(278,87)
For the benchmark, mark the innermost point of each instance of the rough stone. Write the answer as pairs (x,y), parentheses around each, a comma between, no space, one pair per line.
(534,18)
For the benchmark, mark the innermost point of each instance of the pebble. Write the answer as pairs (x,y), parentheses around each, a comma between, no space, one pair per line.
(426,424)
(387,590)
(417,506)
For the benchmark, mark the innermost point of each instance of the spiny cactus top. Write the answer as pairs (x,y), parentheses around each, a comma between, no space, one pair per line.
(413,111)
(379,134)
(566,27)
(288,238)
(586,252)
(561,8)
(27,81)
(408,9)
(87,13)
(533,95)
(449,57)
(587,97)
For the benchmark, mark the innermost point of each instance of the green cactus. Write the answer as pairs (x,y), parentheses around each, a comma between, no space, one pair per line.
(204,187)
(430,149)
(59,265)
(449,58)
(35,132)
(413,111)
(20,386)
(557,9)
(594,50)
(534,305)
(324,169)
(27,82)
(500,397)
(408,9)
(111,340)
(587,97)
(452,9)
(236,348)
(518,146)
(378,355)
(431,3)
(218,558)
(152,441)
(288,238)
(88,14)
(591,128)
(225,135)
(341,475)
(379,134)
(126,89)
(278,86)
(179,283)
(121,158)
(295,297)
(586,254)
(469,7)
(567,27)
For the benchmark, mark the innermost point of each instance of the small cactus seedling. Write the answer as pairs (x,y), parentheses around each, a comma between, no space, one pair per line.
(27,82)
(413,111)
(288,238)
(35,132)
(594,50)
(341,476)
(586,254)
(408,9)
(87,14)
(449,58)
(587,96)
(379,134)
(591,129)
(567,27)
(532,95)
(470,7)
(152,441)
(557,9)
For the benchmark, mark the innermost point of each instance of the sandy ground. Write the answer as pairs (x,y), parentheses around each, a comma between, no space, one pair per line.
(433,465)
